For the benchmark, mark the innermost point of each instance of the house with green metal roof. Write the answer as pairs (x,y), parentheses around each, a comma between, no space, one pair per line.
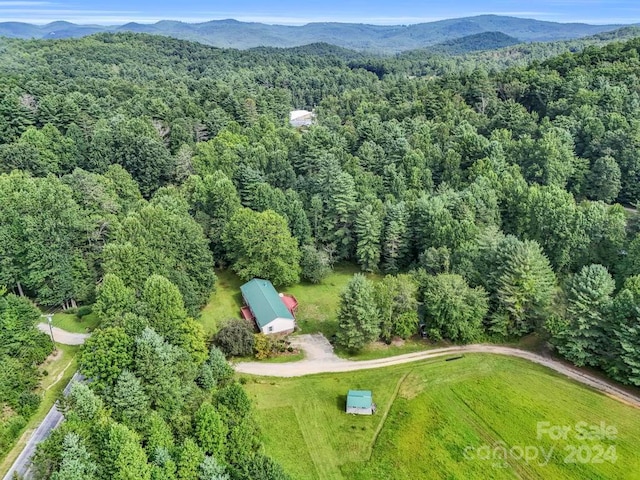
(360,402)
(272,312)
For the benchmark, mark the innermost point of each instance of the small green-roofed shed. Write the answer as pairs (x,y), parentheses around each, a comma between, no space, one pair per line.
(360,402)
(270,312)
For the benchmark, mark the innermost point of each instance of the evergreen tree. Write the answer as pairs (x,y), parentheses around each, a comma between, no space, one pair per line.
(121,456)
(623,360)
(76,463)
(522,284)
(358,316)
(129,401)
(210,469)
(189,460)
(164,467)
(368,230)
(395,240)
(453,310)
(157,435)
(84,403)
(584,341)
(210,432)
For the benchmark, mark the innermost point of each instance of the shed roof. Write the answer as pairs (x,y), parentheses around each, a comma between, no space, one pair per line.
(295,114)
(264,301)
(359,399)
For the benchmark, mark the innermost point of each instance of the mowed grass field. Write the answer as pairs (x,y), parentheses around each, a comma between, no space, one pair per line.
(440,416)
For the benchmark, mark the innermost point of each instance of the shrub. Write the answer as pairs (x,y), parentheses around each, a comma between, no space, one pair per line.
(236,339)
(262,347)
(84,311)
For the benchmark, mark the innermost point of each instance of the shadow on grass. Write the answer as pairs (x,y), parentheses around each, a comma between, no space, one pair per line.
(341,402)
(237,297)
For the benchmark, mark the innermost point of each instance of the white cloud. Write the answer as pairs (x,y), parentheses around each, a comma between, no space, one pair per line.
(11,3)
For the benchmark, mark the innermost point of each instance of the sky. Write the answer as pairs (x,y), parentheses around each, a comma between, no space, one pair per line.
(299,12)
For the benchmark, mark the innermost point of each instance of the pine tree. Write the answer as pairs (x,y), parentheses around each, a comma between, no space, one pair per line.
(523,284)
(189,460)
(585,341)
(129,401)
(122,457)
(76,463)
(210,469)
(339,198)
(395,242)
(358,315)
(623,361)
(368,230)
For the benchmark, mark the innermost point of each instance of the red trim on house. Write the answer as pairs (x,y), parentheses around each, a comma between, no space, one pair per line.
(246,313)
(290,302)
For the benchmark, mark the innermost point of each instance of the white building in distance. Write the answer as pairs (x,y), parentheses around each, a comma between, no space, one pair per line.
(301,118)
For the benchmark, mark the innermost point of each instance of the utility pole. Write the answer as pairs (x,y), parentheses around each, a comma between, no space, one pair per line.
(49,317)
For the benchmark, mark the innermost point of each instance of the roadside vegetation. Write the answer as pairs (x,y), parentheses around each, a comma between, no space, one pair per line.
(56,372)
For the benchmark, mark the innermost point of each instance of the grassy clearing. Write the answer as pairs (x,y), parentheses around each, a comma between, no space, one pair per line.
(224,303)
(60,368)
(280,358)
(443,413)
(381,350)
(318,303)
(71,323)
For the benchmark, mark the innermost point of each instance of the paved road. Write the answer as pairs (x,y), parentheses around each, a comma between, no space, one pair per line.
(320,358)
(64,337)
(22,464)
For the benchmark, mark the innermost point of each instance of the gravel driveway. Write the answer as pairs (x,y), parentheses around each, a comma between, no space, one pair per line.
(320,358)
(64,337)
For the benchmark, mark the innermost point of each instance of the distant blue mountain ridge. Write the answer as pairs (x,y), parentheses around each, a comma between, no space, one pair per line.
(362,37)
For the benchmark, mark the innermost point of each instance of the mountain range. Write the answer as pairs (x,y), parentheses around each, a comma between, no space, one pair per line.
(363,37)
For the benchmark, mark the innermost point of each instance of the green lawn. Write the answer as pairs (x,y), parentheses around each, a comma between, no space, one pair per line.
(318,304)
(317,309)
(60,368)
(71,323)
(224,303)
(377,350)
(444,412)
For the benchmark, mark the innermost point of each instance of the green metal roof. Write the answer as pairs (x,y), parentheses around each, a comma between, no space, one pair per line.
(264,301)
(359,399)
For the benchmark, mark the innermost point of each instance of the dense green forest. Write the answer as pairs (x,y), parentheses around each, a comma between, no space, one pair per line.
(131,165)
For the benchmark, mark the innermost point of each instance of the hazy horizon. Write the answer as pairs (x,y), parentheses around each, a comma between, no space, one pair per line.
(288,12)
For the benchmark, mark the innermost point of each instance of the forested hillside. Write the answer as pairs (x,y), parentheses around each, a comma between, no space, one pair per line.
(231,33)
(131,165)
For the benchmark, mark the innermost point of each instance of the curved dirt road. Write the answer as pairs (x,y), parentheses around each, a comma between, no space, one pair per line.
(320,358)
(64,337)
